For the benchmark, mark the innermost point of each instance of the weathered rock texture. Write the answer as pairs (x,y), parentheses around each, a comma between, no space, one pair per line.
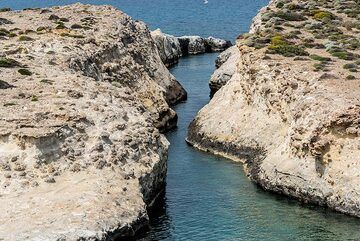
(168,46)
(226,68)
(83,94)
(295,126)
(172,48)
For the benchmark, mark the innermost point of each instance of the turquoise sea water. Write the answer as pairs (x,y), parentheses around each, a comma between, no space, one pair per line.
(209,197)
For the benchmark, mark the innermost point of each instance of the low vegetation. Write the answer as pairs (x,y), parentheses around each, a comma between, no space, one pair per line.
(25,38)
(279,45)
(5,85)
(324,33)
(8,63)
(25,72)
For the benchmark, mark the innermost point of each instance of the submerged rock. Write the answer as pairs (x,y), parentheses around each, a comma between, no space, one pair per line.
(294,121)
(81,155)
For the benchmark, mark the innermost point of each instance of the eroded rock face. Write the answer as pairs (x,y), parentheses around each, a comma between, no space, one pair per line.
(216,44)
(83,96)
(168,46)
(296,128)
(171,48)
(192,45)
(226,68)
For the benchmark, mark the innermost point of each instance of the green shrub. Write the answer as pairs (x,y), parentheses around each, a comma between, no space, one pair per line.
(47,81)
(278,40)
(60,25)
(293,6)
(280,5)
(320,58)
(53,17)
(34,98)
(9,104)
(76,26)
(319,66)
(288,50)
(297,58)
(25,72)
(25,38)
(11,35)
(350,77)
(5,85)
(289,16)
(279,45)
(341,53)
(8,63)
(27,31)
(5,21)
(322,15)
(350,66)
(4,32)
(64,20)
(72,35)
(42,28)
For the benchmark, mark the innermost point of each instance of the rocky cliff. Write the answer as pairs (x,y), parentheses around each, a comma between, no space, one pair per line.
(83,96)
(291,110)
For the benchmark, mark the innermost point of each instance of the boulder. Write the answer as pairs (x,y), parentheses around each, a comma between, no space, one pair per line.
(168,46)
(192,45)
(172,48)
(216,44)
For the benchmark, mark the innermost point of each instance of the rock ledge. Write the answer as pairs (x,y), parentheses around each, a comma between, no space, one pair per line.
(84,94)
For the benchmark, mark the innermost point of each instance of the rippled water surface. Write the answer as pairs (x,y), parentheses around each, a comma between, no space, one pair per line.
(208,197)
(221,18)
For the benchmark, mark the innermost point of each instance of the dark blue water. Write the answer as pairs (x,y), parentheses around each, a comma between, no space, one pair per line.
(208,197)
(222,18)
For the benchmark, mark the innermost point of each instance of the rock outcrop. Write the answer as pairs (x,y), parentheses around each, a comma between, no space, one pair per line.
(226,68)
(291,110)
(168,46)
(171,48)
(83,96)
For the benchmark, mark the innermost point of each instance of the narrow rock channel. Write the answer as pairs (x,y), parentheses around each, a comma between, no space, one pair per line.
(206,197)
(210,198)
